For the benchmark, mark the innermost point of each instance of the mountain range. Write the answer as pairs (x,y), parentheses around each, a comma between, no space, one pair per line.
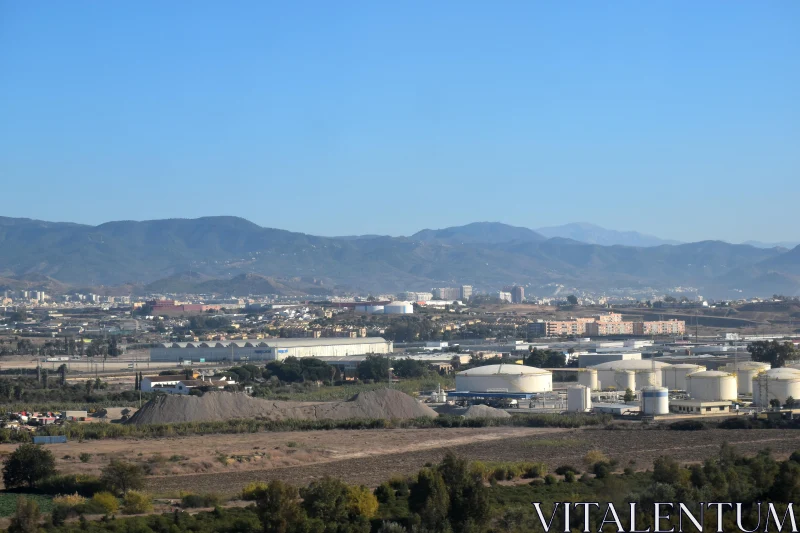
(230,255)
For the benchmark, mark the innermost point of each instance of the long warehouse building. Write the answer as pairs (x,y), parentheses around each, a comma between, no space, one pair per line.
(268,349)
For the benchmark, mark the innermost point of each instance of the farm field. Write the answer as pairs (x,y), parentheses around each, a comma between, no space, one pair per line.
(225,463)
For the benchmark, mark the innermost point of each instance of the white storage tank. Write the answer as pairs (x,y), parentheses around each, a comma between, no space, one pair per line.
(370,308)
(623,380)
(504,378)
(610,373)
(776,383)
(712,386)
(588,378)
(579,399)
(745,372)
(673,377)
(655,400)
(398,308)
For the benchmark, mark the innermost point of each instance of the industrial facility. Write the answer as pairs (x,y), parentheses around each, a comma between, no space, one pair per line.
(505,378)
(268,349)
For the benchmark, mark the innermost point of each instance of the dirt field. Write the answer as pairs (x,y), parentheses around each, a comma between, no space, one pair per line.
(225,463)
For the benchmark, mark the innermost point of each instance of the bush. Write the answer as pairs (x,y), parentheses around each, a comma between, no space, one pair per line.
(687,425)
(601,470)
(550,479)
(136,502)
(120,477)
(739,422)
(563,469)
(104,503)
(534,470)
(70,501)
(384,493)
(85,457)
(593,457)
(569,476)
(201,500)
(82,484)
(251,491)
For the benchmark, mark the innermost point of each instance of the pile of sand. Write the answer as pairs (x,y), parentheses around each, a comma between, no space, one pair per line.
(484,411)
(218,406)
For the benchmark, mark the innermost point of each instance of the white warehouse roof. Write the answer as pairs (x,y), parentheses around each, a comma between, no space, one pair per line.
(509,369)
(276,343)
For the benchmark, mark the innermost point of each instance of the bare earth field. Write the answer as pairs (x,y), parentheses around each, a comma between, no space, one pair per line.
(225,463)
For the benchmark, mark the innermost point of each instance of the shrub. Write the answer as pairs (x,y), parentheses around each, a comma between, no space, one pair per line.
(601,470)
(104,502)
(384,493)
(593,457)
(738,422)
(120,476)
(569,476)
(85,457)
(251,491)
(201,500)
(534,470)
(550,479)
(70,501)
(136,502)
(563,469)
(82,484)
(687,425)
(362,501)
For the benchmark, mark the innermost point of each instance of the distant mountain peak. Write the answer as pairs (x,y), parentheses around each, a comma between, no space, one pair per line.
(478,233)
(589,233)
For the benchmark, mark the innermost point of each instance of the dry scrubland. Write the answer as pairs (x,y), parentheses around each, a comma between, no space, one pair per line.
(225,463)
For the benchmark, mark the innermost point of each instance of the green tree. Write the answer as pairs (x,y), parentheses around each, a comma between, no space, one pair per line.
(430,500)
(629,396)
(469,497)
(786,487)
(790,402)
(121,476)
(28,465)
(374,367)
(26,517)
(572,299)
(279,509)
(409,368)
(667,470)
(772,352)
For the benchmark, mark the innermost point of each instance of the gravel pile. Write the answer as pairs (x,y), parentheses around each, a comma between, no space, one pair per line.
(484,411)
(218,406)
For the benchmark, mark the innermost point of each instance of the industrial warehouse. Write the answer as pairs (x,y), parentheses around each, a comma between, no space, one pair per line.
(267,349)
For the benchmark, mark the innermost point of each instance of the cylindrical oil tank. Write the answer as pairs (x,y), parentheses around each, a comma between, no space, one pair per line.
(745,372)
(647,378)
(588,378)
(712,386)
(504,378)
(655,400)
(398,308)
(776,384)
(579,398)
(614,373)
(674,377)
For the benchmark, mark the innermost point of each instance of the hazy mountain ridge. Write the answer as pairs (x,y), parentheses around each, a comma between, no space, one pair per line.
(594,234)
(218,251)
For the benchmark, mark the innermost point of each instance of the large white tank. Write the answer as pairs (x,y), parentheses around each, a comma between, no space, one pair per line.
(588,378)
(655,400)
(674,377)
(622,380)
(370,308)
(776,383)
(712,386)
(612,372)
(745,372)
(398,308)
(579,398)
(504,378)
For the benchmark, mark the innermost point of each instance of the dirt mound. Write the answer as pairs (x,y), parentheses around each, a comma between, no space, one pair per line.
(218,406)
(484,411)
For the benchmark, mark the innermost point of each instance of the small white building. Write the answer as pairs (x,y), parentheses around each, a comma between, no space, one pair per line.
(700,407)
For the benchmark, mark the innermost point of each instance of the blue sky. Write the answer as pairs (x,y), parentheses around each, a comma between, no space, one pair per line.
(680,119)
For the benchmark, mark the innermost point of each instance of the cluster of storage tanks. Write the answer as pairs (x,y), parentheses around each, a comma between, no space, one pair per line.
(654,380)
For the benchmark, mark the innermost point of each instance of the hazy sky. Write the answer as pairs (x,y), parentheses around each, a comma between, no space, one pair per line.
(680,119)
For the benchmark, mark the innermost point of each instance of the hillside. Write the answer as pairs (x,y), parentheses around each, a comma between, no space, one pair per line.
(234,256)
